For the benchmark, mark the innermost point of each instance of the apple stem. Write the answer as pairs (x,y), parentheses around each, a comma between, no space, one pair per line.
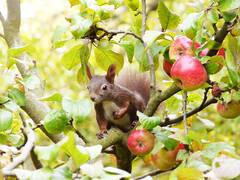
(184,112)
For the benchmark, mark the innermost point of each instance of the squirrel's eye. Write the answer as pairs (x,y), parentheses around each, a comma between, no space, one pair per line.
(104,87)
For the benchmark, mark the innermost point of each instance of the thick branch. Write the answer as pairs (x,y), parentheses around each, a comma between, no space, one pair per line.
(2,19)
(24,153)
(34,108)
(114,136)
(194,111)
(159,97)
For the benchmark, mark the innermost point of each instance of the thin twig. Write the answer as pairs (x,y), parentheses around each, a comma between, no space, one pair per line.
(190,113)
(115,32)
(185,112)
(153,173)
(37,164)
(9,169)
(78,133)
(150,59)
(205,97)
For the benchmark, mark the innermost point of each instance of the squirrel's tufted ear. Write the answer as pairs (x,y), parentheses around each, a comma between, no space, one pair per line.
(88,72)
(111,73)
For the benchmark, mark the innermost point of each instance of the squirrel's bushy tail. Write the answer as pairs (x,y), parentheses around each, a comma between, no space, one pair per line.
(136,82)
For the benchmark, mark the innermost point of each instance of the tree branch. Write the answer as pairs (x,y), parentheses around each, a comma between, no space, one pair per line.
(2,19)
(34,108)
(116,32)
(150,59)
(8,170)
(153,173)
(159,97)
(190,113)
(113,136)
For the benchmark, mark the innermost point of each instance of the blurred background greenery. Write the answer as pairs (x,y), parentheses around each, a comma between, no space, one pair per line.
(38,22)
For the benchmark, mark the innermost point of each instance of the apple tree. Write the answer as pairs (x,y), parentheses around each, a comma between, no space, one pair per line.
(190,127)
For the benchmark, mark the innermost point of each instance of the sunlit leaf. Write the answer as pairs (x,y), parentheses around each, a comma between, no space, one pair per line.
(148,123)
(132,4)
(68,145)
(78,109)
(59,31)
(47,154)
(5,119)
(168,19)
(79,26)
(54,97)
(190,24)
(211,150)
(31,82)
(62,173)
(129,48)
(16,51)
(189,173)
(226,5)
(105,57)
(18,96)
(74,56)
(169,143)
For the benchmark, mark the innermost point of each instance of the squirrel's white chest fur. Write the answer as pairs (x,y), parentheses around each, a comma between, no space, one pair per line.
(110,107)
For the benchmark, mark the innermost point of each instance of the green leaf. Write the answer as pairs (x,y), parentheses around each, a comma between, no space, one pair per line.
(59,31)
(169,143)
(74,2)
(31,82)
(189,173)
(105,57)
(18,96)
(62,173)
(214,64)
(78,109)
(3,99)
(55,121)
(132,4)
(16,51)
(190,24)
(12,106)
(232,70)
(47,154)
(68,145)
(5,120)
(201,166)
(112,170)
(105,12)
(211,151)
(168,19)
(129,48)
(54,97)
(228,16)
(227,5)
(82,77)
(79,26)
(213,15)
(148,123)
(11,61)
(75,55)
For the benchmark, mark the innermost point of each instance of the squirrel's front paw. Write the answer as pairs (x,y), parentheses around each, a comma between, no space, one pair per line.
(116,115)
(100,134)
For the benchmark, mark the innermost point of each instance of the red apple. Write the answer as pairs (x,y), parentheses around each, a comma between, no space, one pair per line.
(229,110)
(165,159)
(188,73)
(182,46)
(140,142)
(167,66)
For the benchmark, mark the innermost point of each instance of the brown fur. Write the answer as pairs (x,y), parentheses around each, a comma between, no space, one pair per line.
(118,100)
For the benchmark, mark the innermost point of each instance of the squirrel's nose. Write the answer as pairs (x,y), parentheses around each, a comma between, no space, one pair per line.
(93,98)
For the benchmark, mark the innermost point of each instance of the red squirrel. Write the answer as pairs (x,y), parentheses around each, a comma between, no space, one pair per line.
(117,100)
